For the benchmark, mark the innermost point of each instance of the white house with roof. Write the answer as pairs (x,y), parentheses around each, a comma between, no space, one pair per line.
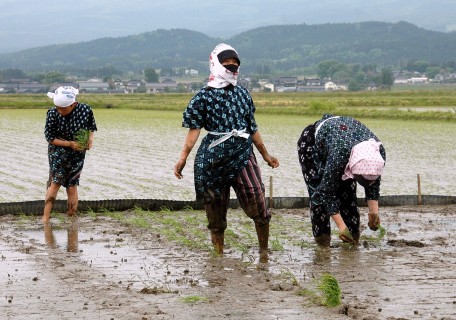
(332,86)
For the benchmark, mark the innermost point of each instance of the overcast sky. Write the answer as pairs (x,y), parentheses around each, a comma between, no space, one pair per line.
(35,23)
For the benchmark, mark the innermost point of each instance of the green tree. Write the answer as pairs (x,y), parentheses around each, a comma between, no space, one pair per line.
(418,66)
(53,77)
(431,72)
(327,68)
(386,78)
(150,75)
(354,85)
(12,73)
(166,72)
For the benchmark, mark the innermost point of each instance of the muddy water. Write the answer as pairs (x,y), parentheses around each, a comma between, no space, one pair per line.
(134,153)
(85,267)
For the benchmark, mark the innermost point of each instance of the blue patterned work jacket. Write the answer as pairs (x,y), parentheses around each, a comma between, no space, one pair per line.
(220,110)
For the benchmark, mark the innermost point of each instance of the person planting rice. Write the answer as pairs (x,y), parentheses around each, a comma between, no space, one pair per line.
(336,153)
(66,124)
(225,157)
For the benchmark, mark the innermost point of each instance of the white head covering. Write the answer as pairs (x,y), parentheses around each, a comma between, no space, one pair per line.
(220,77)
(63,96)
(365,160)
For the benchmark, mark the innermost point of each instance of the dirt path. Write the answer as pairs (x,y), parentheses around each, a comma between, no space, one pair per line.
(100,268)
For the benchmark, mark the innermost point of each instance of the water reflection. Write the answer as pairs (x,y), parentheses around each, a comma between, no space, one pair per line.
(322,257)
(72,236)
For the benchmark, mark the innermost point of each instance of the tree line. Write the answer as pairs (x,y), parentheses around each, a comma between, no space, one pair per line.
(282,49)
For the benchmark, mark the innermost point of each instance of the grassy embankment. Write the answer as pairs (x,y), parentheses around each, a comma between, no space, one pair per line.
(400,105)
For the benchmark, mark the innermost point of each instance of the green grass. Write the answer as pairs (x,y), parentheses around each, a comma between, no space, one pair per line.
(188,228)
(371,104)
(194,299)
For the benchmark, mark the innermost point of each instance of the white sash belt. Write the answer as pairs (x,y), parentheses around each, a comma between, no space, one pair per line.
(227,135)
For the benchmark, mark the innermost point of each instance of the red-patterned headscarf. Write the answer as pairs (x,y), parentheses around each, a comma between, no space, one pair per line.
(220,77)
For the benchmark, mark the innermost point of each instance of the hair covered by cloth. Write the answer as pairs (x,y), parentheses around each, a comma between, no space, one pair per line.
(63,96)
(221,77)
(365,160)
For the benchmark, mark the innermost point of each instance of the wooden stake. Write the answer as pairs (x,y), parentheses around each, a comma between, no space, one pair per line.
(419,189)
(271,198)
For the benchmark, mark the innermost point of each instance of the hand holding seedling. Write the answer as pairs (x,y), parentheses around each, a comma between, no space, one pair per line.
(76,146)
(374,221)
(83,140)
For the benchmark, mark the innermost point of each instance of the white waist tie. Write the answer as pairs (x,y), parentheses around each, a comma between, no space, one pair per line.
(227,135)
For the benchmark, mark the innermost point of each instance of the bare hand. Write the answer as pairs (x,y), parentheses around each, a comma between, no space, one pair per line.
(89,144)
(178,167)
(272,161)
(75,146)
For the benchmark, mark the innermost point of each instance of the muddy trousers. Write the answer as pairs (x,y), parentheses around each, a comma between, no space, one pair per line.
(250,192)
(346,193)
(321,225)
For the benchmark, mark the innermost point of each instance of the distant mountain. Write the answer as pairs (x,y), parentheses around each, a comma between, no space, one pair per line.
(281,47)
(29,23)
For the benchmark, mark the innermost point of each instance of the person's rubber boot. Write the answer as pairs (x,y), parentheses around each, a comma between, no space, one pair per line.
(323,240)
(263,239)
(218,239)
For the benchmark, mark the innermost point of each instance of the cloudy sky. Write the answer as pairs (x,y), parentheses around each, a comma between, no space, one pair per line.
(34,23)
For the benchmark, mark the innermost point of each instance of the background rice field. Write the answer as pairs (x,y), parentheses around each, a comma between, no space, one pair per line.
(135,151)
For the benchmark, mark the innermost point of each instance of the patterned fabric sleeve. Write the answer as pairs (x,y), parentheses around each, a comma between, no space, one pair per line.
(50,130)
(91,123)
(253,127)
(193,114)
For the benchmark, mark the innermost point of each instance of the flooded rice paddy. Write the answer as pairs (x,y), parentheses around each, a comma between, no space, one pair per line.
(134,154)
(102,267)
(112,266)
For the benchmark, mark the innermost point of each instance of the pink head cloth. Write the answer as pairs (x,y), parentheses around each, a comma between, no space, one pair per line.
(366,160)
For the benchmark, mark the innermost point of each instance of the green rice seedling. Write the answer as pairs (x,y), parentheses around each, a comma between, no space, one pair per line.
(82,138)
(91,213)
(23,217)
(116,215)
(381,233)
(314,298)
(194,299)
(329,289)
(165,209)
(139,222)
(288,275)
(276,245)
(104,211)
(378,236)
(59,215)
(232,239)
(188,208)
(138,210)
